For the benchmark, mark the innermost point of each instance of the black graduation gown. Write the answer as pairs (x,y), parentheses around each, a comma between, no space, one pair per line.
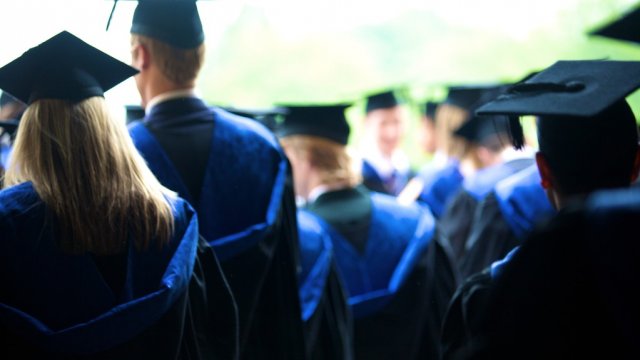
(388,322)
(504,218)
(238,179)
(455,225)
(460,326)
(328,322)
(166,304)
(329,331)
(570,291)
(441,283)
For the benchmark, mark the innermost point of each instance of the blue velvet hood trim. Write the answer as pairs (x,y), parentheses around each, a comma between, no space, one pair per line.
(316,257)
(522,201)
(108,323)
(229,228)
(398,237)
(369,172)
(440,185)
(483,181)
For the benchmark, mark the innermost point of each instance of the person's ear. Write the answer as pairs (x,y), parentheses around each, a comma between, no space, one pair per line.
(636,165)
(545,172)
(141,57)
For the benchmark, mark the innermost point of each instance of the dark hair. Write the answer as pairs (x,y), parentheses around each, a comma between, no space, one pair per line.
(587,154)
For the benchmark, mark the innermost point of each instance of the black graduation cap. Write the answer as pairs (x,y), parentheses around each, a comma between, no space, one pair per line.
(63,67)
(567,89)
(466,97)
(175,22)
(627,28)
(481,128)
(430,108)
(327,121)
(383,100)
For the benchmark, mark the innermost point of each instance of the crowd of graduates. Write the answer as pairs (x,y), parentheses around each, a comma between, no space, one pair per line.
(197,232)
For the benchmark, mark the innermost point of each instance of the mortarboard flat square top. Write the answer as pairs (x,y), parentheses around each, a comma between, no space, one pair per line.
(63,67)
(627,28)
(326,121)
(478,129)
(175,22)
(383,100)
(468,97)
(569,88)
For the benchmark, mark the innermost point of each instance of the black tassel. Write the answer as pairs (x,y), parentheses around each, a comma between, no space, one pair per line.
(516,132)
(115,2)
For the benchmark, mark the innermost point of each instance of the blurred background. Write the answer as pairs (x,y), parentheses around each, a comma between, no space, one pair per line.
(267,52)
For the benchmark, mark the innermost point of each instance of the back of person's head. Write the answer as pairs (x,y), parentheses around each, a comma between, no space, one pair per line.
(586,154)
(586,131)
(81,161)
(172,32)
(181,66)
(84,166)
(318,135)
(329,158)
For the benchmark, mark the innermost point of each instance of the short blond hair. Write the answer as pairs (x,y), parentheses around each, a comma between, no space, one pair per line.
(332,160)
(181,66)
(448,119)
(86,169)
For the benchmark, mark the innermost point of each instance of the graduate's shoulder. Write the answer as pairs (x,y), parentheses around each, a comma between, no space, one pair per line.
(238,128)
(18,198)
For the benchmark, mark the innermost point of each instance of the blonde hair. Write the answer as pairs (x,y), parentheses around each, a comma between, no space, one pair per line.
(448,119)
(332,160)
(181,66)
(84,166)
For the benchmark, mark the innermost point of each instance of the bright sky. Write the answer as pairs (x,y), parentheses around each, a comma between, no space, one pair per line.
(26,23)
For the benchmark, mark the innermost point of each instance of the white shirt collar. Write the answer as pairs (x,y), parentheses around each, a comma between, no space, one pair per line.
(440,159)
(169,95)
(317,191)
(384,165)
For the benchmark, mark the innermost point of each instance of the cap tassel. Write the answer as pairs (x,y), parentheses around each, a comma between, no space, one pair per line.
(115,2)
(516,132)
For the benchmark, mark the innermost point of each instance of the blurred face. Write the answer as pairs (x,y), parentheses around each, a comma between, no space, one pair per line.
(427,136)
(386,127)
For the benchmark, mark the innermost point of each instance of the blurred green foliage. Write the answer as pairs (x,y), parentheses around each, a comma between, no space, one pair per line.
(257,64)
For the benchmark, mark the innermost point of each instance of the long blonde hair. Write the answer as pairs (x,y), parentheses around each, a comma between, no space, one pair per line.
(84,166)
(332,160)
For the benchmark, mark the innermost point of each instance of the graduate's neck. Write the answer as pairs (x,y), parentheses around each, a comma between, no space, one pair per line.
(315,184)
(157,83)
